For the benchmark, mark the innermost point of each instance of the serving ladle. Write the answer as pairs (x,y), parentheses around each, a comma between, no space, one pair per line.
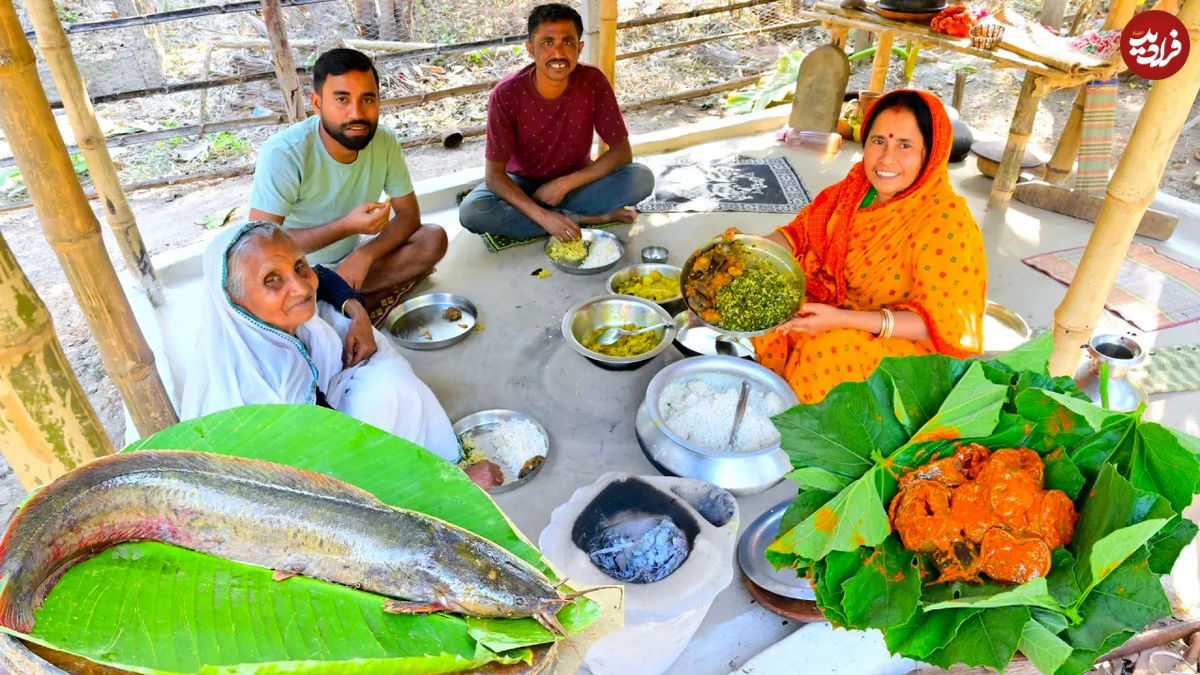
(738,414)
(613,333)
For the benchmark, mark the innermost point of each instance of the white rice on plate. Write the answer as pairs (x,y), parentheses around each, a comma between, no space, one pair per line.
(508,444)
(702,414)
(601,252)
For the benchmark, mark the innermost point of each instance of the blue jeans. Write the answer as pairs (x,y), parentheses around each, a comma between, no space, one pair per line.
(482,211)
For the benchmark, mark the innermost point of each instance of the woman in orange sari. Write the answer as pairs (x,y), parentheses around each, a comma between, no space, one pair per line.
(893,260)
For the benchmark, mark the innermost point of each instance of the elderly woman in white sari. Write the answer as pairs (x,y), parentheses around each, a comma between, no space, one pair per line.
(265,338)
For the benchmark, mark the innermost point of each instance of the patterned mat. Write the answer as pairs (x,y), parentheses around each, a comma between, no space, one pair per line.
(1167,369)
(753,184)
(1152,291)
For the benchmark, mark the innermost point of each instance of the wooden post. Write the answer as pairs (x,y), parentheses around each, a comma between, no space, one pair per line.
(608,40)
(1063,159)
(1053,12)
(73,231)
(1130,191)
(47,426)
(1067,147)
(960,84)
(838,36)
(52,40)
(879,69)
(281,57)
(1018,136)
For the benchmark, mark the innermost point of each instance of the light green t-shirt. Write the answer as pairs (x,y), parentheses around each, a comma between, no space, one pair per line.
(296,178)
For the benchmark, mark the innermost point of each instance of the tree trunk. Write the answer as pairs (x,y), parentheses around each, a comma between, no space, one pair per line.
(47,426)
(387,19)
(403,13)
(1053,12)
(1130,192)
(73,231)
(366,25)
(281,59)
(91,142)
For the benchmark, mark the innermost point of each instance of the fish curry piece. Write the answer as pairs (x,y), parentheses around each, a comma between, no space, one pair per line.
(982,513)
(713,270)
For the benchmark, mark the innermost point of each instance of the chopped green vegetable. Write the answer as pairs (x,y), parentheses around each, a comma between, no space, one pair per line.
(757,299)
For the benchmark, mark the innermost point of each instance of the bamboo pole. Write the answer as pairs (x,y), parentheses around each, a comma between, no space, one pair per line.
(47,426)
(90,139)
(691,14)
(883,54)
(1018,136)
(1063,159)
(73,231)
(721,36)
(838,36)
(281,59)
(1130,191)
(172,15)
(608,40)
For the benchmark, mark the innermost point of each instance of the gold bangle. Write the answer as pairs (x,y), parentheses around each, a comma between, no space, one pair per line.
(889,323)
(882,324)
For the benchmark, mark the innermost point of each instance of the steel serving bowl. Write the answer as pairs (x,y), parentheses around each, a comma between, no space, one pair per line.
(672,304)
(742,473)
(589,235)
(775,255)
(419,322)
(615,310)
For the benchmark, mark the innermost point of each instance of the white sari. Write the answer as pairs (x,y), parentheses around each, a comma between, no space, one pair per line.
(241,360)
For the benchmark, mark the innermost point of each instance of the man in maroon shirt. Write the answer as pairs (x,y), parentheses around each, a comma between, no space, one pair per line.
(540,178)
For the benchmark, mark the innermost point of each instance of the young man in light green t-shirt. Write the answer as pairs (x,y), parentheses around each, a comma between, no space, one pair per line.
(323,179)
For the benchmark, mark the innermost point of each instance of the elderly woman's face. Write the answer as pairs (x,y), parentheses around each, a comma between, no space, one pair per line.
(894,153)
(278,286)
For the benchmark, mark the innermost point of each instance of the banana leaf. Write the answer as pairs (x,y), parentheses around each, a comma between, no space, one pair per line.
(1129,480)
(152,608)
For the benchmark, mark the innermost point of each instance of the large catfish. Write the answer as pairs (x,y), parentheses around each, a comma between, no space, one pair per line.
(268,515)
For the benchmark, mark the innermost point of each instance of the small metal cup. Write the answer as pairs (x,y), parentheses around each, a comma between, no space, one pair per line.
(654,254)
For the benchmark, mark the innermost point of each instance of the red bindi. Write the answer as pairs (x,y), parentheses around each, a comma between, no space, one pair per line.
(889,135)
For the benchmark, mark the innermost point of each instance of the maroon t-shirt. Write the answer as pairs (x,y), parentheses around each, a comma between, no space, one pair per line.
(543,139)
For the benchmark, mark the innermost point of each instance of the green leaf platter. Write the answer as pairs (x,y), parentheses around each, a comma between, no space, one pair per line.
(1130,480)
(151,608)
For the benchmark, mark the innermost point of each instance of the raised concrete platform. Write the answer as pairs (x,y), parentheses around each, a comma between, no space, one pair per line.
(519,360)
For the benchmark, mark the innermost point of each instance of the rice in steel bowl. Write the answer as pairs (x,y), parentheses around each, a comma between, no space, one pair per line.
(703,415)
(600,253)
(510,444)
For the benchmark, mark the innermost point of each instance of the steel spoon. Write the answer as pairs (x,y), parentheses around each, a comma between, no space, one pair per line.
(738,414)
(610,335)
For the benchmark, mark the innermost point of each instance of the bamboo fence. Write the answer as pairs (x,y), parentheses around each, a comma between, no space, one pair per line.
(73,231)
(88,136)
(1129,193)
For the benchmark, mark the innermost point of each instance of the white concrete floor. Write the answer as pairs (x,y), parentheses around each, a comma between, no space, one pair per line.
(519,360)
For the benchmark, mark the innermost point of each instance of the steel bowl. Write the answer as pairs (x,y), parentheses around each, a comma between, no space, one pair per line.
(590,235)
(1003,329)
(615,310)
(484,422)
(419,323)
(655,254)
(742,473)
(777,256)
(672,304)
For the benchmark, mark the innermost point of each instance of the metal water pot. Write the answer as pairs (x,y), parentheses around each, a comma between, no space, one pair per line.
(1120,353)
